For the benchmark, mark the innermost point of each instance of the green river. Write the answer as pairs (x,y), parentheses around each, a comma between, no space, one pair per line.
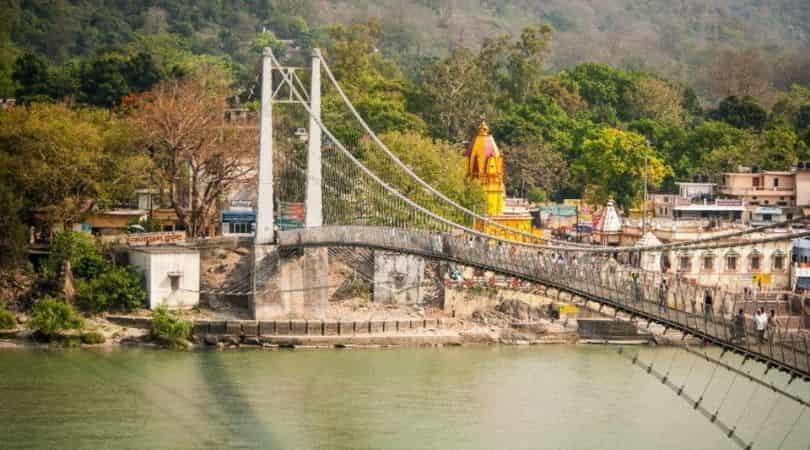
(541,397)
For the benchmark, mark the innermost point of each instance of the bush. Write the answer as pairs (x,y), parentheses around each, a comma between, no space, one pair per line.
(50,317)
(7,320)
(92,337)
(78,248)
(117,288)
(170,328)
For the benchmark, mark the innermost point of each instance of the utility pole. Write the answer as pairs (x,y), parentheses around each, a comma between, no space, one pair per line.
(644,201)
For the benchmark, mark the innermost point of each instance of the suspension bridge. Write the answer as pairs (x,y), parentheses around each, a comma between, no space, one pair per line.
(350,209)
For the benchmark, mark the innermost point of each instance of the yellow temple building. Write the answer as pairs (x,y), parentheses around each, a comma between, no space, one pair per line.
(484,164)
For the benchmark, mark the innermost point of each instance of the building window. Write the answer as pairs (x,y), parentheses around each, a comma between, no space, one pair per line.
(684,263)
(731,263)
(776,182)
(778,262)
(175,281)
(755,263)
(708,263)
(238,228)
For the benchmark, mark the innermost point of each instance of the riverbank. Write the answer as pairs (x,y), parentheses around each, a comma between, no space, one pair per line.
(121,330)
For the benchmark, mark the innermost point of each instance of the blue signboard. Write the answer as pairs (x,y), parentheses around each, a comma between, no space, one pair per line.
(238,217)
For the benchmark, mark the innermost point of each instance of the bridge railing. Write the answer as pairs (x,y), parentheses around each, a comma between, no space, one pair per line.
(592,276)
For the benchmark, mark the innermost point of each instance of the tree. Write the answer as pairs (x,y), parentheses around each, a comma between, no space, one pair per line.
(740,112)
(78,249)
(117,288)
(51,317)
(32,78)
(200,157)
(533,165)
(108,77)
(740,74)
(13,232)
(373,83)
(439,163)
(612,166)
(526,60)
(780,149)
(604,88)
(68,161)
(454,95)
(655,99)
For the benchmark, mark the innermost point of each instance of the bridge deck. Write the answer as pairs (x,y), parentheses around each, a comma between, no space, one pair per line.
(595,278)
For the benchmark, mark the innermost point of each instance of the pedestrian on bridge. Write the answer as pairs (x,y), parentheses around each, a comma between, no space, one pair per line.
(738,330)
(663,290)
(708,305)
(773,324)
(761,323)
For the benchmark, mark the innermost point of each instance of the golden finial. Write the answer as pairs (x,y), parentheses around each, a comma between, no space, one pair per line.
(483,129)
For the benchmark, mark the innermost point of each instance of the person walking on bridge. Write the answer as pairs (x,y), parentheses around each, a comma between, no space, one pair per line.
(708,305)
(761,323)
(773,324)
(663,291)
(738,327)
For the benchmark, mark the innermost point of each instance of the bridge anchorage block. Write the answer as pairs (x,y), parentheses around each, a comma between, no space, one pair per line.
(697,403)
(680,390)
(714,417)
(731,431)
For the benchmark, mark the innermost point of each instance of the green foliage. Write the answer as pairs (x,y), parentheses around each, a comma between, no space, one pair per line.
(741,112)
(374,84)
(51,317)
(93,338)
(116,288)
(7,319)
(438,163)
(67,161)
(612,166)
(170,328)
(605,88)
(77,248)
(13,232)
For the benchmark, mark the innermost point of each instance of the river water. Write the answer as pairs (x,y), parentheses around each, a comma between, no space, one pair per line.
(544,397)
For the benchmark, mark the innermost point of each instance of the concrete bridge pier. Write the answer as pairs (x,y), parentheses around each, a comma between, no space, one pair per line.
(289,284)
(398,278)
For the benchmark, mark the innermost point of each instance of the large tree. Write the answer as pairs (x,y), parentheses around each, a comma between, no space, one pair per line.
(68,161)
(201,157)
(454,95)
(439,163)
(612,166)
(372,82)
(533,167)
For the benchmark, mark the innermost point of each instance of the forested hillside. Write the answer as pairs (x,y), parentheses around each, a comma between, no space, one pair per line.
(690,41)
(578,93)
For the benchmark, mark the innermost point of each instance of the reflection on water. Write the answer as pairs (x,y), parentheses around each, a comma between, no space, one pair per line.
(549,397)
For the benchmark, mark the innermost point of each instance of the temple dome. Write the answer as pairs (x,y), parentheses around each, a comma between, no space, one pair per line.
(610,222)
(481,152)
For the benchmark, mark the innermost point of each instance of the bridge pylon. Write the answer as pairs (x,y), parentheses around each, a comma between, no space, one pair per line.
(291,284)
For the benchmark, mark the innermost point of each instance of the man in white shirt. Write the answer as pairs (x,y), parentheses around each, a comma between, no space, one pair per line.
(761,322)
